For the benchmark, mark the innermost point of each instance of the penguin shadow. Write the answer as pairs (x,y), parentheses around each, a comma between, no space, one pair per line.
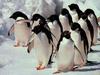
(92,63)
(87,69)
(94,51)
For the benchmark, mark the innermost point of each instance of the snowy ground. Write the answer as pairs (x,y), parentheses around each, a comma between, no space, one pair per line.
(16,61)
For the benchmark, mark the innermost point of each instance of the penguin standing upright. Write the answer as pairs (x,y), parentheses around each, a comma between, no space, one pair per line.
(93,19)
(21,28)
(65,53)
(88,28)
(75,12)
(42,44)
(79,37)
(35,19)
(65,19)
(55,27)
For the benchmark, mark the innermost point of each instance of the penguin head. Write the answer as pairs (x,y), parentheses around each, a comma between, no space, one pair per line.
(64,11)
(42,22)
(75,26)
(73,7)
(89,12)
(37,29)
(52,18)
(66,34)
(35,17)
(18,14)
(84,17)
(75,10)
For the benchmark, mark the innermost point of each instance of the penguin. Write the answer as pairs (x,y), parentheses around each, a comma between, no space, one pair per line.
(65,19)
(88,28)
(75,12)
(21,28)
(55,27)
(36,19)
(93,19)
(79,37)
(42,43)
(65,53)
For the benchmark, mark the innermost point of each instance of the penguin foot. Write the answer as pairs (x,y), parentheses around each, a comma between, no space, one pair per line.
(24,45)
(40,68)
(56,72)
(74,68)
(16,45)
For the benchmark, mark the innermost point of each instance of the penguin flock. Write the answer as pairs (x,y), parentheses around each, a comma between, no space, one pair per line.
(67,37)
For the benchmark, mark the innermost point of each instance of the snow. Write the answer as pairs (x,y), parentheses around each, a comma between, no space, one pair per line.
(16,61)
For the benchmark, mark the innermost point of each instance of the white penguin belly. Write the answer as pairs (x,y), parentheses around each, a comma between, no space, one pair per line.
(64,22)
(79,54)
(75,18)
(65,57)
(22,32)
(42,48)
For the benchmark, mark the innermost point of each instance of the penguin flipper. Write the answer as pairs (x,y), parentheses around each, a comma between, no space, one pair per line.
(11,30)
(30,46)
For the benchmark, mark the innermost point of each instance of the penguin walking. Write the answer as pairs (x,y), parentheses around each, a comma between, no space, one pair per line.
(65,53)
(88,28)
(93,19)
(42,43)
(65,19)
(55,27)
(75,12)
(79,37)
(21,28)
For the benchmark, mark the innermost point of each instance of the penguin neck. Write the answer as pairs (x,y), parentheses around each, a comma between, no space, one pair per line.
(75,17)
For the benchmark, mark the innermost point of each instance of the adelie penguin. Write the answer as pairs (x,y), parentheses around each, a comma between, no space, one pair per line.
(79,37)
(55,27)
(65,19)
(42,43)
(36,18)
(93,19)
(65,53)
(88,28)
(21,28)
(75,12)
